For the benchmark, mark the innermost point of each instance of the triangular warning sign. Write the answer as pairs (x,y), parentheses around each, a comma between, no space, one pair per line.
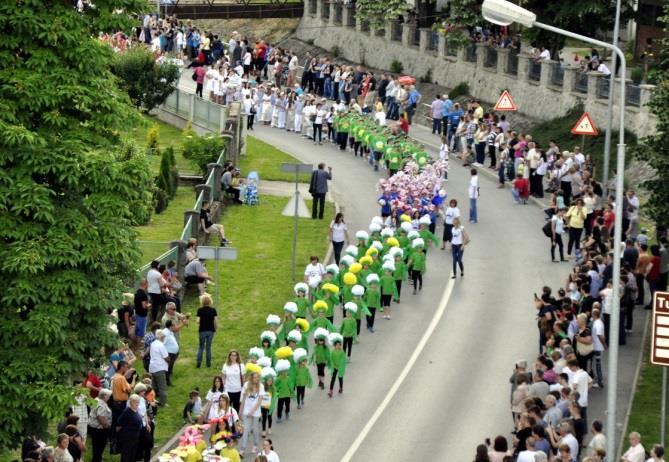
(585,126)
(505,103)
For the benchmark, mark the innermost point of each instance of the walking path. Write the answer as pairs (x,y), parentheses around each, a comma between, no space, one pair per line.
(457,392)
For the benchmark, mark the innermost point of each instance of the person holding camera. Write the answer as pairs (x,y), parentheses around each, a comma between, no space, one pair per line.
(318,188)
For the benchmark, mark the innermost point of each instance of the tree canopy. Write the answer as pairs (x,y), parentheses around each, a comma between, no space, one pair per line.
(69,193)
(654,149)
(378,13)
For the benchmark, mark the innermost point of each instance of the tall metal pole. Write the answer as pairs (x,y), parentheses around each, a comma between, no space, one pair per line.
(663,406)
(295,215)
(609,108)
(612,388)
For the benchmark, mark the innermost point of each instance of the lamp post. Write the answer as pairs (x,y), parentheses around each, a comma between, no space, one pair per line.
(609,107)
(503,13)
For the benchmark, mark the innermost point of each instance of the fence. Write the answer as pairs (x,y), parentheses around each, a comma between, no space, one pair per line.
(581,82)
(633,95)
(325,13)
(396,31)
(338,13)
(191,107)
(557,77)
(433,43)
(535,71)
(490,57)
(470,54)
(603,87)
(364,26)
(512,63)
(312,7)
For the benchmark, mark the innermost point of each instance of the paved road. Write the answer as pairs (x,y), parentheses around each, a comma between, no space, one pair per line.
(457,393)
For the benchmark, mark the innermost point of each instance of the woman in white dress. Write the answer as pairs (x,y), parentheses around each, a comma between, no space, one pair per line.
(267,108)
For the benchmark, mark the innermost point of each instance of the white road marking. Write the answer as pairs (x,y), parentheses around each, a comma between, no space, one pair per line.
(405,372)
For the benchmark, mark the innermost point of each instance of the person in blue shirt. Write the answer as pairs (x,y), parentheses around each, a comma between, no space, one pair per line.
(414,99)
(445,111)
(385,201)
(454,120)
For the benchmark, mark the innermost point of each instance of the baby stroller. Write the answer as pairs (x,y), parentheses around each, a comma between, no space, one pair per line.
(251,196)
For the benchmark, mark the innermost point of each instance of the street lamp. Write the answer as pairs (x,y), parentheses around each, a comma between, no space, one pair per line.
(503,13)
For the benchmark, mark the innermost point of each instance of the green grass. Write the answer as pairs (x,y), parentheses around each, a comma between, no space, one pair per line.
(168,135)
(257,284)
(645,413)
(266,160)
(559,129)
(166,226)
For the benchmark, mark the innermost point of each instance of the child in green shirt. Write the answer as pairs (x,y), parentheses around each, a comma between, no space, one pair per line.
(388,288)
(400,272)
(301,300)
(348,327)
(268,402)
(417,264)
(321,354)
(302,376)
(337,362)
(284,389)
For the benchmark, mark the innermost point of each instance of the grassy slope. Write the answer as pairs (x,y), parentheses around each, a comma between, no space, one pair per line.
(266,160)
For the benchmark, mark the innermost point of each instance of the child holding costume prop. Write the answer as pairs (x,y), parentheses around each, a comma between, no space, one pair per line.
(268,399)
(362,307)
(303,305)
(337,362)
(268,342)
(417,264)
(320,308)
(425,233)
(400,273)
(284,389)
(303,377)
(330,293)
(348,327)
(288,324)
(303,327)
(372,297)
(388,287)
(349,279)
(321,354)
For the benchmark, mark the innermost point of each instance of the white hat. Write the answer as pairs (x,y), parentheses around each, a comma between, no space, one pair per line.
(332,268)
(406,226)
(413,234)
(290,307)
(382,201)
(377,245)
(389,266)
(301,287)
(268,335)
(347,260)
(372,278)
(257,352)
(374,228)
(358,290)
(267,371)
(425,220)
(273,319)
(299,354)
(418,242)
(265,361)
(387,232)
(314,281)
(362,234)
(335,337)
(378,220)
(442,193)
(282,365)
(352,250)
(352,307)
(321,333)
(294,336)
(388,257)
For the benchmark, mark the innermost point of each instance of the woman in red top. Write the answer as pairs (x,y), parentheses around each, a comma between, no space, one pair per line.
(653,274)
(93,383)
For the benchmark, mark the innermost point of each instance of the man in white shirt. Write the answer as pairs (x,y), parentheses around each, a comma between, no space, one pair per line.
(566,437)
(636,452)
(580,383)
(545,55)
(158,366)
(528,454)
(599,345)
(603,69)
(598,440)
(155,282)
(473,192)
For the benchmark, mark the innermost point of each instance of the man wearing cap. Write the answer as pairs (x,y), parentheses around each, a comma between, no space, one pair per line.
(159,365)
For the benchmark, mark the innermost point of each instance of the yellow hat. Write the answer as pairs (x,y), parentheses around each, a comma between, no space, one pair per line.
(355,268)
(251,368)
(372,251)
(320,305)
(303,324)
(405,217)
(350,279)
(366,260)
(284,352)
(330,288)
(393,242)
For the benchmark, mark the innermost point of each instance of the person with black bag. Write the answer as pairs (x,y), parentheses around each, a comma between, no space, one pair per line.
(557,228)
(318,188)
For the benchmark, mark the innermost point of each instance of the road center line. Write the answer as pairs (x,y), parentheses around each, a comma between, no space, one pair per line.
(405,372)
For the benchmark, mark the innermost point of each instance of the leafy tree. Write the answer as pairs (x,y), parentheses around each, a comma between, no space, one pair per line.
(152,139)
(201,150)
(379,13)
(464,15)
(654,149)
(147,82)
(69,193)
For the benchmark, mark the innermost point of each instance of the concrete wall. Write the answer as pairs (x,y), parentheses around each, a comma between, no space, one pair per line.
(536,94)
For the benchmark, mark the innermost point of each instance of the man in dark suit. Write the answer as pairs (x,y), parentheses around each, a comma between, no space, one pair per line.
(318,188)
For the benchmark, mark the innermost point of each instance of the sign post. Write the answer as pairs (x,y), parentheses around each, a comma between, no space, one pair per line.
(296,207)
(217,254)
(505,103)
(659,349)
(585,126)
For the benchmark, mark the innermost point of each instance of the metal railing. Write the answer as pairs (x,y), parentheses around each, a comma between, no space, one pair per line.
(603,85)
(433,41)
(364,26)
(470,54)
(380,32)
(164,259)
(325,12)
(451,50)
(396,31)
(633,95)
(350,17)
(512,63)
(581,82)
(490,57)
(205,113)
(414,34)
(557,77)
(312,7)
(338,8)
(535,71)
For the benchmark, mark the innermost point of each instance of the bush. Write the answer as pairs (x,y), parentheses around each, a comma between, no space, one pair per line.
(152,140)
(427,78)
(336,51)
(148,83)
(461,89)
(160,200)
(202,150)
(167,180)
(396,67)
(637,75)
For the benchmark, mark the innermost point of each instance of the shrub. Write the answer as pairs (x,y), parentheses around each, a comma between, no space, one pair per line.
(427,78)
(160,200)
(152,140)
(202,150)
(336,51)
(637,75)
(461,89)
(396,67)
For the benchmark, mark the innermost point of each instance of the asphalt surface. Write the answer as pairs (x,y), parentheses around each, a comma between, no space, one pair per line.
(457,393)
